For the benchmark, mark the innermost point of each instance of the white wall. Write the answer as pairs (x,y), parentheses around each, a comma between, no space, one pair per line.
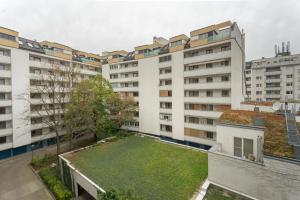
(226,134)
(20,92)
(177,95)
(236,75)
(149,95)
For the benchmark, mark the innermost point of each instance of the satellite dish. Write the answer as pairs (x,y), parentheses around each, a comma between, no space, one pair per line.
(276,106)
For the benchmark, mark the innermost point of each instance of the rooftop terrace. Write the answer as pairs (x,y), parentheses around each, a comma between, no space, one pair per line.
(151,168)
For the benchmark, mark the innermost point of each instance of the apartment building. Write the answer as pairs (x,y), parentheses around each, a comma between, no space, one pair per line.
(183,84)
(274,79)
(24,64)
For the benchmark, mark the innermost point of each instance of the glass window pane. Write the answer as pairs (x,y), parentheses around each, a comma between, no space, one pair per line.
(248,147)
(237,147)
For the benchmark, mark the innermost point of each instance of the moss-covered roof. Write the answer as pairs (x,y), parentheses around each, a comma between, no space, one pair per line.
(275,137)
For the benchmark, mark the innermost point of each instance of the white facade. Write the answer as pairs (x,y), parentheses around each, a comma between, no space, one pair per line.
(17,70)
(274,79)
(182,95)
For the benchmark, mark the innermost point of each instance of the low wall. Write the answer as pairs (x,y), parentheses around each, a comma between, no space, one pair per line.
(72,178)
(275,179)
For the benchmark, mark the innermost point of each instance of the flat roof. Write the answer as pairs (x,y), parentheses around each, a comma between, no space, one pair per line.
(275,137)
(152,169)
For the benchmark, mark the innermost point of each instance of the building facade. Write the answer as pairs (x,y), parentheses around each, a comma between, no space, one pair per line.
(273,79)
(183,84)
(24,64)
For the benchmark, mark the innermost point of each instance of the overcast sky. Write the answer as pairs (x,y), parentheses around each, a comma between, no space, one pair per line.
(97,26)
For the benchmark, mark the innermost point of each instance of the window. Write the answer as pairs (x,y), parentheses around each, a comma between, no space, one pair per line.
(225,78)
(258,85)
(37,132)
(248,147)
(258,92)
(7,37)
(225,63)
(209,79)
(165,70)
(4,67)
(209,93)
(243,147)
(2,110)
(4,52)
(165,58)
(237,151)
(289,75)
(209,135)
(208,65)
(166,105)
(210,121)
(289,84)
(289,92)
(209,51)
(166,128)
(258,78)
(2,140)
(225,48)
(225,93)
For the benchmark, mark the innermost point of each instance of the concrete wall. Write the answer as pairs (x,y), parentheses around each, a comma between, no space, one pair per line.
(20,97)
(149,95)
(273,180)
(226,134)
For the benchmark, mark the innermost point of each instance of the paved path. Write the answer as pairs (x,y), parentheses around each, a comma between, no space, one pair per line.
(18,182)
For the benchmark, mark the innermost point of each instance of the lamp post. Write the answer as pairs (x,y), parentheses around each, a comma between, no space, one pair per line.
(32,148)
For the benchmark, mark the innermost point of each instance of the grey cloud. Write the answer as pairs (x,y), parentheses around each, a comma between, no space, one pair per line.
(97,26)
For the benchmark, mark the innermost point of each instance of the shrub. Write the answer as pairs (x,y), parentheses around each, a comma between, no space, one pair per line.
(51,179)
(118,195)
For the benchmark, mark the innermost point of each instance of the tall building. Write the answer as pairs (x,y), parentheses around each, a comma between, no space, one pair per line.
(182,84)
(24,64)
(274,79)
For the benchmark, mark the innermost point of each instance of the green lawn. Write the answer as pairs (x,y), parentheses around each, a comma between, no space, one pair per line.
(152,169)
(217,193)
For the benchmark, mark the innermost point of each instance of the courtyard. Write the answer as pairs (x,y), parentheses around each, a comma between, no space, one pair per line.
(152,169)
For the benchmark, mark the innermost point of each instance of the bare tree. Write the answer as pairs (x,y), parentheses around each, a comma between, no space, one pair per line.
(50,92)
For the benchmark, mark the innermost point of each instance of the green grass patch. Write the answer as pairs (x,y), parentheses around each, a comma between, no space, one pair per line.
(217,193)
(53,182)
(150,168)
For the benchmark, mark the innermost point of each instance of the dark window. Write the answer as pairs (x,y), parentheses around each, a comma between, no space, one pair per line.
(2,140)
(209,134)
(165,58)
(7,37)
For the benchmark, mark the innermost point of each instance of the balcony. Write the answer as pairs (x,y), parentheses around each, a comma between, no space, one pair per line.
(200,113)
(165,110)
(205,141)
(165,87)
(205,57)
(208,100)
(166,122)
(5,73)
(5,117)
(275,80)
(273,88)
(126,89)
(273,96)
(209,85)
(123,79)
(203,127)
(5,88)
(5,102)
(7,145)
(5,132)
(209,71)
(272,73)
(38,126)
(166,133)
(4,59)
